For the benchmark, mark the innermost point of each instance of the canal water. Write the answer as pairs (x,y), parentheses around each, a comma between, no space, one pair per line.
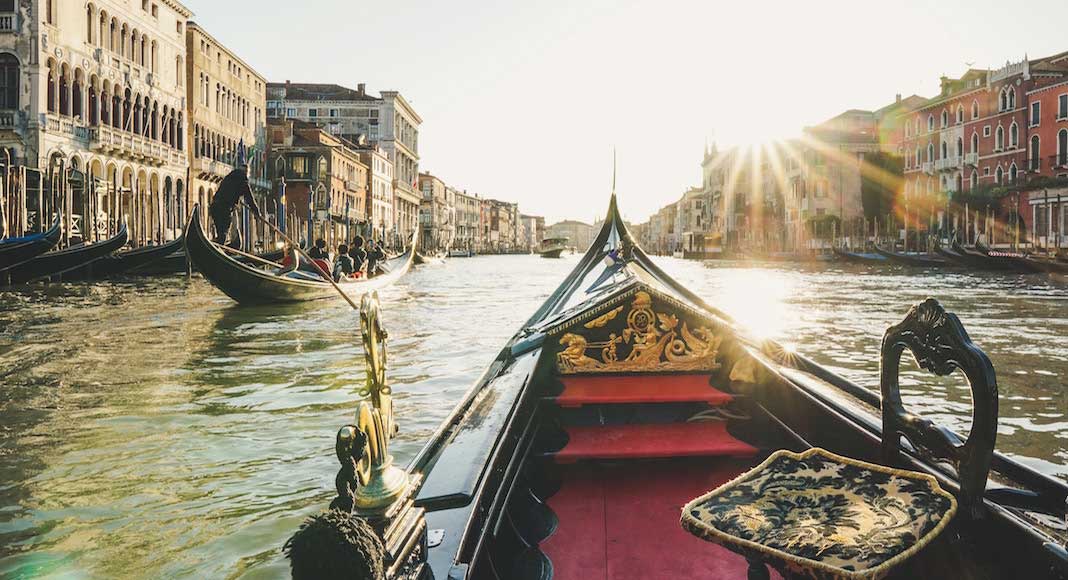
(152,429)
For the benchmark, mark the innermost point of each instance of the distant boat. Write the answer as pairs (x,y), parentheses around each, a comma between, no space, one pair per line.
(552,247)
(16,251)
(123,262)
(461,253)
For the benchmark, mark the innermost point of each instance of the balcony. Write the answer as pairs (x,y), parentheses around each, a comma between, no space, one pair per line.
(1059,161)
(112,141)
(209,169)
(60,125)
(9,22)
(948,164)
(971,159)
(8,118)
(928,167)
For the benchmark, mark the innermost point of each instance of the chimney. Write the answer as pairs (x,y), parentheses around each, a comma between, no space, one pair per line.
(897,98)
(361,89)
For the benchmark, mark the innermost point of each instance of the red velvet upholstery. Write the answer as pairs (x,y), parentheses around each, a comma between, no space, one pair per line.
(622,522)
(703,438)
(639,389)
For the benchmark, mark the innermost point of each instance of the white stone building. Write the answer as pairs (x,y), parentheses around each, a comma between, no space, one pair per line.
(98,89)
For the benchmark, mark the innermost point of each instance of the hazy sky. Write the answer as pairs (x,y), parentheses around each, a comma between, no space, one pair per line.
(524,101)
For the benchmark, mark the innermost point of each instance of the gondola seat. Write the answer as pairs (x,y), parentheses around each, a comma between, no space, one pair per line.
(821,515)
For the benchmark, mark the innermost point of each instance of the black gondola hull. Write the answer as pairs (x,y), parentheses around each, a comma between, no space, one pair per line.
(123,262)
(14,254)
(67,259)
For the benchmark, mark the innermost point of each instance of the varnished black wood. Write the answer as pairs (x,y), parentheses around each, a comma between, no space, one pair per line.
(940,344)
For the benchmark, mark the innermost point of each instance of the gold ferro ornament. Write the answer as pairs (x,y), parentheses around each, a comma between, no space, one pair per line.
(380,482)
(651,341)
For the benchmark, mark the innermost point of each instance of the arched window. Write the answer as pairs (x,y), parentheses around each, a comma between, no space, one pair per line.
(1035,159)
(960,114)
(930,152)
(1003,100)
(974,180)
(1062,148)
(917,157)
(930,123)
(945,119)
(999,175)
(908,130)
(960,147)
(1012,98)
(1014,135)
(945,152)
(50,11)
(975,109)
(90,24)
(1012,172)
(9,81)
(999,138)
(975,142)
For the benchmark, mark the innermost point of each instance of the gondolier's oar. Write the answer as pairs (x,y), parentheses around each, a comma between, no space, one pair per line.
(329,277)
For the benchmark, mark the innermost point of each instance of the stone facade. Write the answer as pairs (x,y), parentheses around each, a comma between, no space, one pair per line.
(97,90)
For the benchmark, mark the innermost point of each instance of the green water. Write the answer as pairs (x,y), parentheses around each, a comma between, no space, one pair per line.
(152,429)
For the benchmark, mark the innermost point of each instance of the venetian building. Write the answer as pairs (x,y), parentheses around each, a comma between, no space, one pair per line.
(227,109)
(97,89)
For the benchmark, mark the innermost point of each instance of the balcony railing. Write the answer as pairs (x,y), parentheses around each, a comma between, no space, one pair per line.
(9,22)
(971,159)
(207,167)
(1059,161)
(122,143)
(7,119)
(948,163)
(927,167)
(65,126)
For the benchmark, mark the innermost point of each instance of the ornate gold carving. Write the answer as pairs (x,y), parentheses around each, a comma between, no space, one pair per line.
(604,319)
(744,371)
(654,342)
(375,482)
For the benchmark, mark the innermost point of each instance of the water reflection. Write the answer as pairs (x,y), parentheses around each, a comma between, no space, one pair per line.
(154,429)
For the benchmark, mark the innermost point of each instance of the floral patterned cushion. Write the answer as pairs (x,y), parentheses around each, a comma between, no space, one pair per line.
(821,515)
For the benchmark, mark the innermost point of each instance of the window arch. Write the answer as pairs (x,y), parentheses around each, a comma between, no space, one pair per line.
(975,109)
(945,150)
(945,118)
(960,147)
(9,81)
(930,152)
(960,114)
(1014,135)
(1012,172)
(1035,159)
(918,157)
(999,175)
(973,181)
(90,23)
(1012,98)
(930,123)
(975,142)
(1003,100)
(999,138)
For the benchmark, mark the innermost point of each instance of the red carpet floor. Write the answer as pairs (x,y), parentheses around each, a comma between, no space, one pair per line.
(635,441)
(639,389)
(622,522)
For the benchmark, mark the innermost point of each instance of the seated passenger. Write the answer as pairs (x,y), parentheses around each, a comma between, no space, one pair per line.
(357,253)
(343,266)
(319,251)
(375,255)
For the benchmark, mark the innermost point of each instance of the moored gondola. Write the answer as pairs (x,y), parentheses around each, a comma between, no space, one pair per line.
(17,251)
(626,397)
(124,262)
(859,257)
(914,258)
(57,262)
(249,284)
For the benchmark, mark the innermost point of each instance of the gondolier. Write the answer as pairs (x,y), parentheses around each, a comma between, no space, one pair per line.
(234,186)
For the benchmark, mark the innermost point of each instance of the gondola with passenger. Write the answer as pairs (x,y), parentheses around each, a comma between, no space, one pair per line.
(627,401)
(257,281)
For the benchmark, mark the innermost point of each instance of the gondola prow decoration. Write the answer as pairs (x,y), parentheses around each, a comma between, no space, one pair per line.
(372,529)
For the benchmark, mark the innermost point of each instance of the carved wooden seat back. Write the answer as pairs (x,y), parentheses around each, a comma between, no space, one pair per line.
(940,345)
